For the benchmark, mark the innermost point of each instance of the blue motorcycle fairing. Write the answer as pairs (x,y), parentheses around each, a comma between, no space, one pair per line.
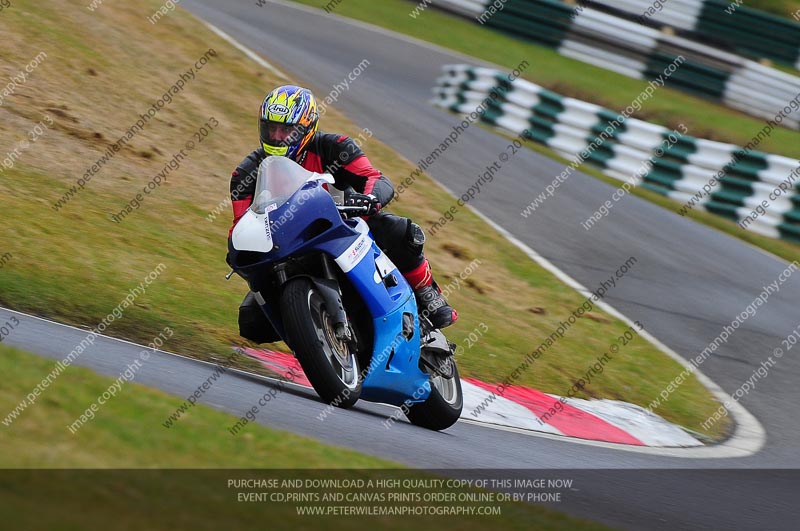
(311,205)
(310,223)
(394,368)
(394,376)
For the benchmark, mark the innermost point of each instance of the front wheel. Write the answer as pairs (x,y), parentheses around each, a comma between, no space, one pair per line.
(329,363)
(443,407)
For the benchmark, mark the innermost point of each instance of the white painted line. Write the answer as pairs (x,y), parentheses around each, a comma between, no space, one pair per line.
(749,436)
(245,50)
(234,370)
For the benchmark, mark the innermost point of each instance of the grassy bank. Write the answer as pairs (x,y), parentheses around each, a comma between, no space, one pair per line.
(784,8)
(76,265)
(40,437)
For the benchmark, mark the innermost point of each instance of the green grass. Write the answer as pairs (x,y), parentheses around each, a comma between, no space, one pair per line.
(785,8)
(76,265)
(127,431)
(567,76)
(127,434)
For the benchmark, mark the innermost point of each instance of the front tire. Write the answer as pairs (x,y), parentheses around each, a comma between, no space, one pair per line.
(443,407)
(329,364)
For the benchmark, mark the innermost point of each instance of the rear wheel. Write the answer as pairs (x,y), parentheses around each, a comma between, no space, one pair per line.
(329,363)
(443,407)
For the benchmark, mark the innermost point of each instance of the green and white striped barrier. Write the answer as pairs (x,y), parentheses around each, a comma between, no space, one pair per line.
(722,23)
(641,52)
(727,180)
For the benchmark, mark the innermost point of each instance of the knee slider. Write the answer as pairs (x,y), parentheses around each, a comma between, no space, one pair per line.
(415,234)
(415,237)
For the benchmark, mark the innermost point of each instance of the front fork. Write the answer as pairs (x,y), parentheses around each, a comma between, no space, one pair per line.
(332,295)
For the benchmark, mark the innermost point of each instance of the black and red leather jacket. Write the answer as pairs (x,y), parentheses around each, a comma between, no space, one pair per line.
(325,153)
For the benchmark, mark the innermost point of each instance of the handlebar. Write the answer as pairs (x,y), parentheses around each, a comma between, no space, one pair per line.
(352,211)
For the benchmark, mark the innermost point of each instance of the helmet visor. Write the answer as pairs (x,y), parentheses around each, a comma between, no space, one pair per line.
(281,134)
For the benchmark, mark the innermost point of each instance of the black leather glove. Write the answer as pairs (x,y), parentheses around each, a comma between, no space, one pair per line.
(368,201)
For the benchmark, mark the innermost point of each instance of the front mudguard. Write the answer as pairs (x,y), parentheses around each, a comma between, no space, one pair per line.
(331,294)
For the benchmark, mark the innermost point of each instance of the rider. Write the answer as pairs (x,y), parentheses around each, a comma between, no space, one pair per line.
(288,123)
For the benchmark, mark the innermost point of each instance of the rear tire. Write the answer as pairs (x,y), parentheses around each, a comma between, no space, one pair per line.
(329,364)
(443,407)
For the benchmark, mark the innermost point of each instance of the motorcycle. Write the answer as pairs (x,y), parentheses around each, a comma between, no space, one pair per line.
(339,303)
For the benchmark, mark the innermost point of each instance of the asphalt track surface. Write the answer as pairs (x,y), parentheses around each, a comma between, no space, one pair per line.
(689,282)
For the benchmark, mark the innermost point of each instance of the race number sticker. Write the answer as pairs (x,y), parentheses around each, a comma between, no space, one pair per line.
(353,255)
